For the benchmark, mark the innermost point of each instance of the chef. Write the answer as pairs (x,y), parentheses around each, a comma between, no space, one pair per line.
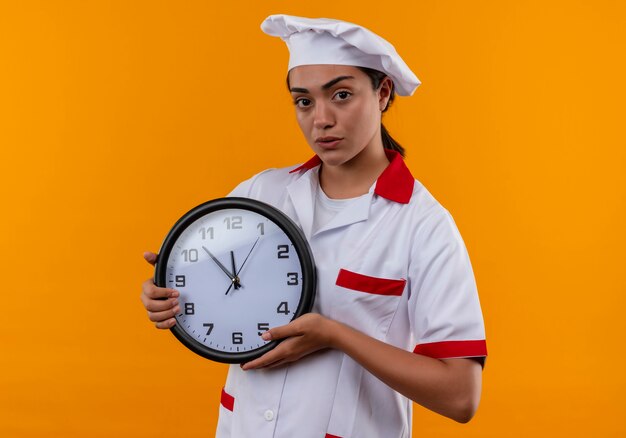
(397,317)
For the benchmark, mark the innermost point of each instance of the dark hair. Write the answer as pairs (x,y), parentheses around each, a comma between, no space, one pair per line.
(376,77)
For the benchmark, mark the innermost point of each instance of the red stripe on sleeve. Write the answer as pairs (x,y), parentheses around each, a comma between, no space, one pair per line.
(448,349)
(227,400)
(331,436)
(372,285)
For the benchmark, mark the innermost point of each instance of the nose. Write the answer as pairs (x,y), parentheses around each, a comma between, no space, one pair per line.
(323,117)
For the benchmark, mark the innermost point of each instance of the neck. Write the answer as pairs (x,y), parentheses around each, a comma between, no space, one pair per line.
(355,177)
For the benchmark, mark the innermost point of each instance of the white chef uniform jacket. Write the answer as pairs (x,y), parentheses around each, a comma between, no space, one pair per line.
(392,265)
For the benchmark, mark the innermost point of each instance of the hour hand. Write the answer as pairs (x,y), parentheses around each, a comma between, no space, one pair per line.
(231,276)
(236,280)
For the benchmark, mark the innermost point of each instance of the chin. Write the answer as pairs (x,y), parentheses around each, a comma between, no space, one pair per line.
(333,157)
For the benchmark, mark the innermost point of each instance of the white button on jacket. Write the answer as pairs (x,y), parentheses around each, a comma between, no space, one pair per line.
(393,266)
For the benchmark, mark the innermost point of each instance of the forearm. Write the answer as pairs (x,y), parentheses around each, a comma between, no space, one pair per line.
(449,388)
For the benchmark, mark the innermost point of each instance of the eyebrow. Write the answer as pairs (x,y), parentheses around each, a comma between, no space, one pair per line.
(326,86)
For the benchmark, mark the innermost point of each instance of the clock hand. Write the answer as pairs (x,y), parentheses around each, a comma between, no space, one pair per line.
(236,283)
(236,280)
(246,259)
(229,287)
(231,276)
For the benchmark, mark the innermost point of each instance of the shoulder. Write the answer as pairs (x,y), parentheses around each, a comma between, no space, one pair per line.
(432,225)
(422,199)
(424,207)
(267,180)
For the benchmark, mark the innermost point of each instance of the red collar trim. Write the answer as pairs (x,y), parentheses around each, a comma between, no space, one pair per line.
(395,183)
(313,162)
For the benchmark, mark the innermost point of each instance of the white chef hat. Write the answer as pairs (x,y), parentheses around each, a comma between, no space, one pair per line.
(327,41)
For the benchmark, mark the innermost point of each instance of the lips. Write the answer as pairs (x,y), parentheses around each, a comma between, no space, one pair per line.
(328,142)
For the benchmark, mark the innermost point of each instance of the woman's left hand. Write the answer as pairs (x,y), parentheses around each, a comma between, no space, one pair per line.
(309,333)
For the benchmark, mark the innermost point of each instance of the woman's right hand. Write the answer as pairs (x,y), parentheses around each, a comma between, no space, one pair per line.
(160,302)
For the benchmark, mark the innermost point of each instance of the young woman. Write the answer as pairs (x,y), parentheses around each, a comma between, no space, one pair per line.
(397,316)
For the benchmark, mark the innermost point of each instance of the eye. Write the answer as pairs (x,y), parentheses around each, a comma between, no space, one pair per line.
(302,102)
(343,95)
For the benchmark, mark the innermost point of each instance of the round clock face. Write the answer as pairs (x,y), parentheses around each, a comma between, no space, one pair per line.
(241,267)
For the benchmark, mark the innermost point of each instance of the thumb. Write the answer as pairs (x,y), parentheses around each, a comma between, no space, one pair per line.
(280,332)
(150,257)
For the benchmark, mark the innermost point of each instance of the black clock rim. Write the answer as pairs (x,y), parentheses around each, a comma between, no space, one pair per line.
(301,245)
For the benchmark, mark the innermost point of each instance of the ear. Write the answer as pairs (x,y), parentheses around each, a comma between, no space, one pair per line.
(384,93)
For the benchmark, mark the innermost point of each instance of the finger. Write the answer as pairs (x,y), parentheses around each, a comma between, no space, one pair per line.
(150,257)
(160,305)
(278,363)
(164,315)
(167,324)
(280,332)
(268,358)
(152,291)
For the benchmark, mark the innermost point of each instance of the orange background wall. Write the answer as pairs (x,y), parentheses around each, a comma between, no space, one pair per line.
(116,117)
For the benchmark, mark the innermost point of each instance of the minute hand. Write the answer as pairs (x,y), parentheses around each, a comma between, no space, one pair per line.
(231,276)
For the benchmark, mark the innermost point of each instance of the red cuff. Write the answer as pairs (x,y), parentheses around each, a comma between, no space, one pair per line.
(450,349)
